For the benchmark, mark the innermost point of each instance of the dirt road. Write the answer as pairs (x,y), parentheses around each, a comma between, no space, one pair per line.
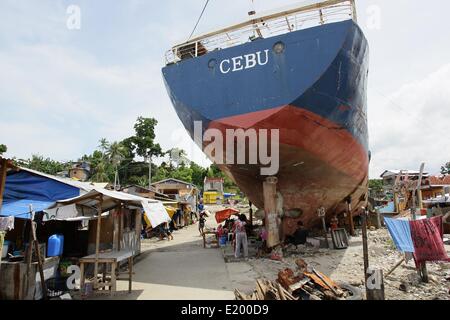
(179,269)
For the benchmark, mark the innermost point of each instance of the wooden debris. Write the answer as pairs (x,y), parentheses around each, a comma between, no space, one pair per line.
(287,278)
(302,265)
(298,285)
(309,286)
(329,283)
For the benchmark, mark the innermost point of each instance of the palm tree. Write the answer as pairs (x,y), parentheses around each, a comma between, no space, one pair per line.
(104,145)
(101,174)
(115,154)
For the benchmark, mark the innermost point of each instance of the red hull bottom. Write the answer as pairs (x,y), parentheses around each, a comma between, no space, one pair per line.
(320,164)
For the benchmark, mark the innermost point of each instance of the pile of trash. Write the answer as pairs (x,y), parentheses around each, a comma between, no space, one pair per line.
(305,285)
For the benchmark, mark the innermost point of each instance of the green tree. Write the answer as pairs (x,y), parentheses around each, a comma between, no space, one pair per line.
(101,169)
(139,180)
(115,153)
(198,174)
(3,149)
(445,169)
(228,184)
(182,173)
(45,165)
(162,172)
(103,145)
(144,138)
(376,185)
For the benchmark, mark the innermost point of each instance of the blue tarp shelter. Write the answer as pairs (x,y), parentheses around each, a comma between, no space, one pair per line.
(28,187)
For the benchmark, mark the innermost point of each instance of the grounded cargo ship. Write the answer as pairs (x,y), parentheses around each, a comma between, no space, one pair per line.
(301,70)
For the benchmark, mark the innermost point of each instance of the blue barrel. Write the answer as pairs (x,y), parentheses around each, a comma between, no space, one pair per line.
(55,245)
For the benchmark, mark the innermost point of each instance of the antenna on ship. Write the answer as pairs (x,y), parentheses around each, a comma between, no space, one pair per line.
(198,21)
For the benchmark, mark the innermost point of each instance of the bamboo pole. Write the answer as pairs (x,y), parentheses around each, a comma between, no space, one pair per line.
(34,242)
(97,240)
(395,267)
(251,213)
(365,247)
(351,224)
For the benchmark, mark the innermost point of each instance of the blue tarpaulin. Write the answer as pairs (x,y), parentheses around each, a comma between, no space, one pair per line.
(389,208)
(400,231)
(23,188)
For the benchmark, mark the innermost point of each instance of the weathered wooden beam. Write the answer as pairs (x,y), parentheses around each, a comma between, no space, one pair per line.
(97,240)
(270,208)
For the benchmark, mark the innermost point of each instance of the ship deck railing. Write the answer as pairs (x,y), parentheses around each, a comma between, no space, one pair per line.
(264,26)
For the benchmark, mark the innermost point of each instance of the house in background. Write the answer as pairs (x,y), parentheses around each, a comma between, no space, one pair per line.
(390,176)
(174,188)
(213,192)
(181,191)
(145,192)
(80,171)
(402,192)
(436,186)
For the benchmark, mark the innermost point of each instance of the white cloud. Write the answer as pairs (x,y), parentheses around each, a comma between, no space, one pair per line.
(411,125)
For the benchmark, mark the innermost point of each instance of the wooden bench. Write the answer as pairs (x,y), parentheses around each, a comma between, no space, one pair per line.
(113,258)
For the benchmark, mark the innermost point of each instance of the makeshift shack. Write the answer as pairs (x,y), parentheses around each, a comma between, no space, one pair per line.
(25,191)
(28,190)
(125,243)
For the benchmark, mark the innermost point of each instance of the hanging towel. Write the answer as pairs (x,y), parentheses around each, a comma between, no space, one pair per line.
(427,239)
(400,231)
(6,223)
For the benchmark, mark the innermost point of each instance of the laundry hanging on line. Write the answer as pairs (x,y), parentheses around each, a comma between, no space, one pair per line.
(423,238)
(427,238)
(400,231)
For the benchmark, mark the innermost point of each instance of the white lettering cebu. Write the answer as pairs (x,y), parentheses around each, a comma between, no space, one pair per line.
(244,62)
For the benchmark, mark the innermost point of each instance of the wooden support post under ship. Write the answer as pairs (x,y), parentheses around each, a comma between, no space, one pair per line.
(270,209)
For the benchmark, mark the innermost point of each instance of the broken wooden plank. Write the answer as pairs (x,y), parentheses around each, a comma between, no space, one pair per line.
(240,295)
(330,284)
(259,293)
(288,295)
(262,287)
(281,292)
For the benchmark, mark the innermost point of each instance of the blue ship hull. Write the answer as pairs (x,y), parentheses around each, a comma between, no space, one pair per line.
(313,90)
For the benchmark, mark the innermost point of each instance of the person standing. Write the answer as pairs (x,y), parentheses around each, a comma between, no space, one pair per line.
(241,237)
(200,206)
(201,223)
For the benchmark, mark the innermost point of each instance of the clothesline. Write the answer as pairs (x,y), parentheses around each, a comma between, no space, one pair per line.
(422,237)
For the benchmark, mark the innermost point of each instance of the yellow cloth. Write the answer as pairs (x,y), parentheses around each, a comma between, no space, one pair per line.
(170,211)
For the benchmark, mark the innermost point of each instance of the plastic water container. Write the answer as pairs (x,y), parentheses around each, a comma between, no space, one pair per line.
(55,245)
(223,241)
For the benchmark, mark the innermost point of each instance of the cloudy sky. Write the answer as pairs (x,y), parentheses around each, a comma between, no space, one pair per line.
(62,89)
